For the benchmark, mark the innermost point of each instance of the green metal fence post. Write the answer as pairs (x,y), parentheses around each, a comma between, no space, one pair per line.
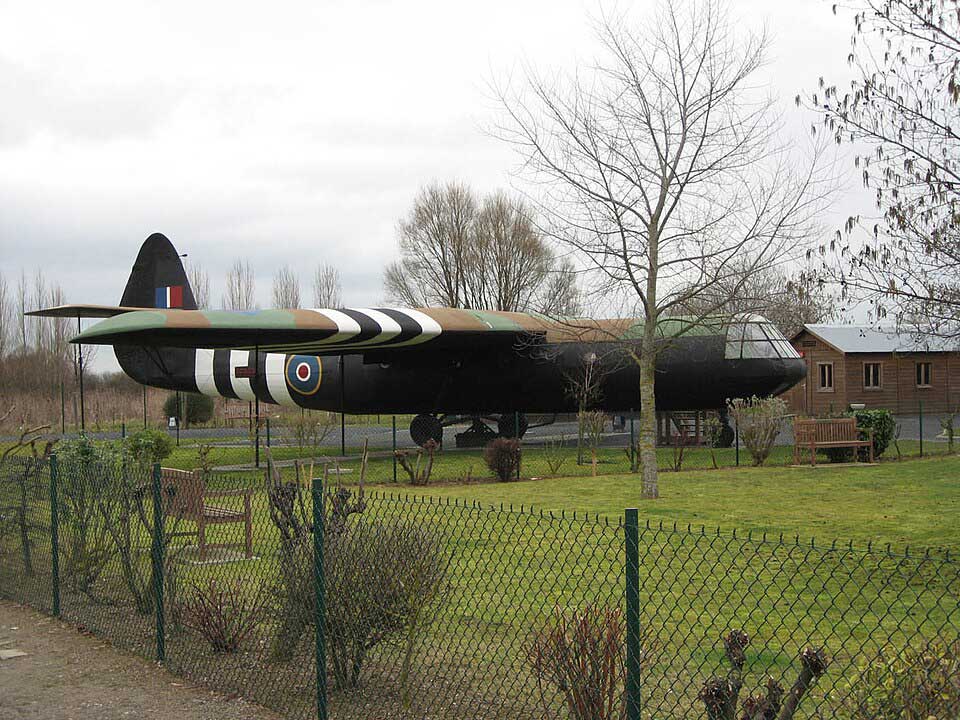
(631,528)
(319,587)
(920,402)
(516,434)
(54,535)
(157,556)
(268,432)
(394,448)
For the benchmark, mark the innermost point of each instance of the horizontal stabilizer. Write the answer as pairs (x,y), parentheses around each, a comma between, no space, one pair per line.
(82,311)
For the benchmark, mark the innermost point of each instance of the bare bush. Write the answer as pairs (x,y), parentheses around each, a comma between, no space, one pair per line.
(721,695)
(581,654)
(223,613)
(503,458)
(554,454)
(921,682)
(365,608)
(593,422)
(419,472)
(759,421)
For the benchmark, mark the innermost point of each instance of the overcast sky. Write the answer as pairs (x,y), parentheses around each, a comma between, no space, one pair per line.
(289,132)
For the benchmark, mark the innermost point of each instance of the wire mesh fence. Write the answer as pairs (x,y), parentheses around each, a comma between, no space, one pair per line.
(441,609)
(563,447)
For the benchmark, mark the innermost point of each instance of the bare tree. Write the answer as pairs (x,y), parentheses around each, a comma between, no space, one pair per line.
(788,301)
(286,288)
(662,168)
(560,294)
(241,290)
(6,318)
(327,289)
(902,118)
(435,249)
(22,307)
(199,281)
(41,328)
(59,333)
(509,261)
(460,251)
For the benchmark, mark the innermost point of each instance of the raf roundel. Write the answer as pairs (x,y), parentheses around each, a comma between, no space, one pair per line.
(304,373)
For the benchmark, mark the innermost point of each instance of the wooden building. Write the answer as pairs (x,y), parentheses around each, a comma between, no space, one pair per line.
(876,367)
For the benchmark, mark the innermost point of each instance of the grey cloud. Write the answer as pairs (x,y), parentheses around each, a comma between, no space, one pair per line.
(40,102)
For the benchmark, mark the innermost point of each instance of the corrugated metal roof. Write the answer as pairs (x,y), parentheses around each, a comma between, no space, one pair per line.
(865,339)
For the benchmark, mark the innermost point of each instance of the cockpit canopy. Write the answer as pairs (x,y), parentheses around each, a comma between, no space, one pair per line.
(751,337)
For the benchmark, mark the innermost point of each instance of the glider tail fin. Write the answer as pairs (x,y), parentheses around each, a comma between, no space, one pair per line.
(158,279)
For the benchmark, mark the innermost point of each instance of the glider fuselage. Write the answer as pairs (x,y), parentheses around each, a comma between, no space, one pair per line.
(692,373)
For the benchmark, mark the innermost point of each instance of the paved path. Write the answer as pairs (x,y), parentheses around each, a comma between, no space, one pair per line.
(66,675)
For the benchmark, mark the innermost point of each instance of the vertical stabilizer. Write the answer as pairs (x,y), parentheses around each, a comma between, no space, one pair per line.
(158,279)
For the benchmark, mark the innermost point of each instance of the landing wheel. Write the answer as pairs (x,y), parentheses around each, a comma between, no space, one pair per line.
(424,428)
(508,424)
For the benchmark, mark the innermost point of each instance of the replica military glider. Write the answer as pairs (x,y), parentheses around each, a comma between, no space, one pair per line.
(440,364)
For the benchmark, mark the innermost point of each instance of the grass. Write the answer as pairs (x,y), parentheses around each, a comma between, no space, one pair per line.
(915,503)
(507,571)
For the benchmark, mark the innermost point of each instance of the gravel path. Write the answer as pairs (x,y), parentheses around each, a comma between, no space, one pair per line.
(66,675)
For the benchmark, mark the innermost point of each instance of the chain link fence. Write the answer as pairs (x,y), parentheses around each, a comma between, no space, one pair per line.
(438,609)
(603,445)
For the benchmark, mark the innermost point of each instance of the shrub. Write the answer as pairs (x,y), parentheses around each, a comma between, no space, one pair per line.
(580,652)
(147,447)
(920,683)
(949,429)
(86,547)
(883,425)
(554,454)
(419,472)
(721,695)
(195,408)
(382,580)
(594,422)
(224,613)
(503,458)
(759,421)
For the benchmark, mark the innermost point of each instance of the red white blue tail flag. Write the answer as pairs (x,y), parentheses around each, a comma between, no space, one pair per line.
(169,297)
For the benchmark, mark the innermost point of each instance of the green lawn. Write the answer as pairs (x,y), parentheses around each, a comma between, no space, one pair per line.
(915,502)
(508,570)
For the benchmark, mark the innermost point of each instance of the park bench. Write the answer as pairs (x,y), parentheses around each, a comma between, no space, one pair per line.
(187,499)
(232,412)
(817,433)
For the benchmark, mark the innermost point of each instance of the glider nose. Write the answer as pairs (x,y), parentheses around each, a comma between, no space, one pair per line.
(793,371)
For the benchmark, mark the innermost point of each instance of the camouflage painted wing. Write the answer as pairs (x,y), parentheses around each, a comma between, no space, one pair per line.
(333,332)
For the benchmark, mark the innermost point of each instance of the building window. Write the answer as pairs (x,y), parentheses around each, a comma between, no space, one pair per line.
(825,372)
(872,378)
(924,374)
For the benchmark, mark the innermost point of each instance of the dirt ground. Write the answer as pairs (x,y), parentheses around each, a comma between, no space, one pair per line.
(66,675)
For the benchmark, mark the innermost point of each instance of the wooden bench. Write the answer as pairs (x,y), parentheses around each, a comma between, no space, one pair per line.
(817,433)
(187,497)
(232,411)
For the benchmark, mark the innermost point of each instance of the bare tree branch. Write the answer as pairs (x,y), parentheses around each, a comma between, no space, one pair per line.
(663,172)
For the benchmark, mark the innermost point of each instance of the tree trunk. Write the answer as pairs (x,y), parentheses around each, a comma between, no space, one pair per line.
(647,438)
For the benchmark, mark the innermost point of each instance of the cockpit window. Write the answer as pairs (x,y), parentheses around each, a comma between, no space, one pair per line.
(756,339)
